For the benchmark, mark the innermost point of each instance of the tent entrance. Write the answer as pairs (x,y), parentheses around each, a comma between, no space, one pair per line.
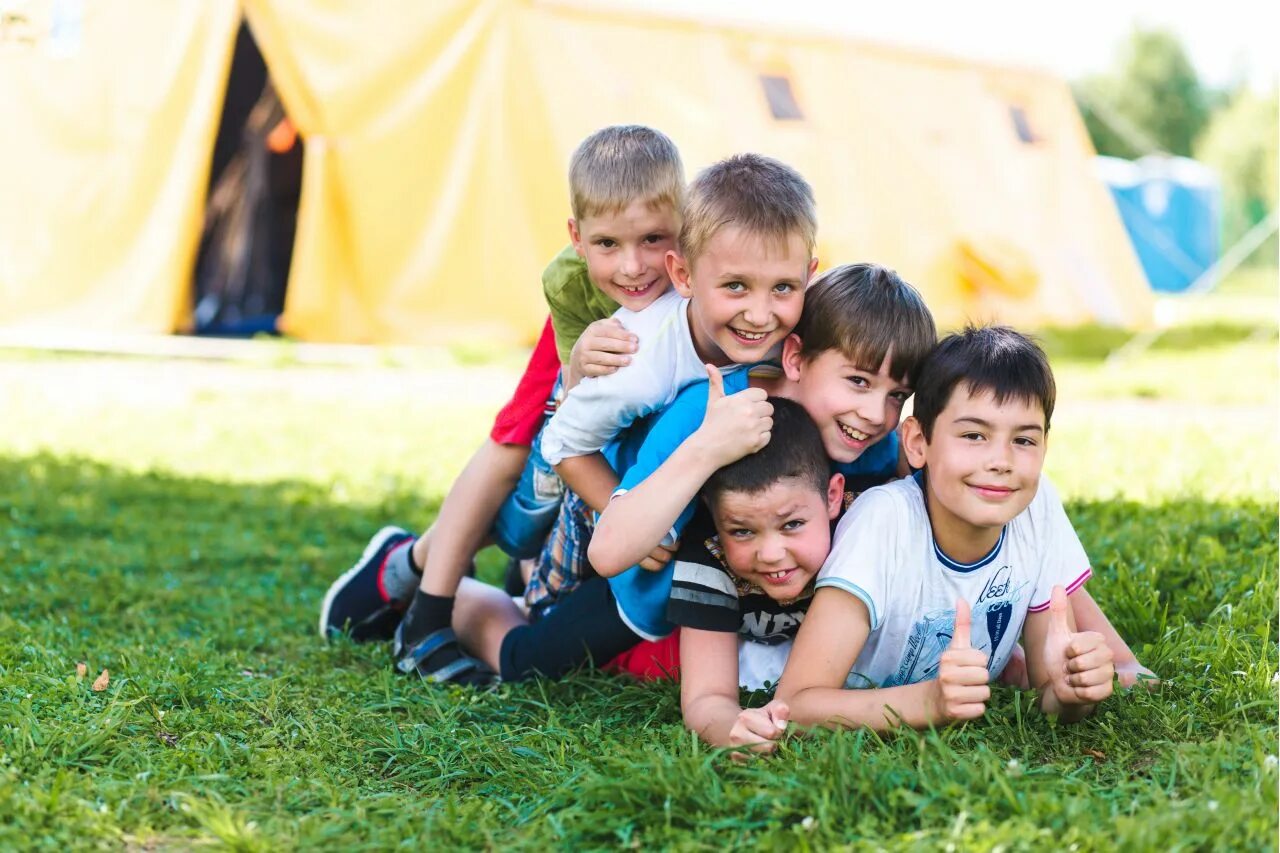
(251,208)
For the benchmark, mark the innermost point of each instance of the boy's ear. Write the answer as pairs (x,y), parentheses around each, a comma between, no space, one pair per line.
(792,360)
(835,495)
(679,271)
(913,441)
(576,238)
(813,266)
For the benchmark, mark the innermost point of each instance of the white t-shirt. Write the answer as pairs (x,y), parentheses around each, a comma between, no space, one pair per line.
(884,553)
(600,407)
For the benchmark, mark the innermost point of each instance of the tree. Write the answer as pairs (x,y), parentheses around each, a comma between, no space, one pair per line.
(1152,101)
(1242,143)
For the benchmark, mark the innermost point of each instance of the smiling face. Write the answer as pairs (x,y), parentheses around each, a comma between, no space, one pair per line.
(778,538)
(746,293)
(982,466)
(626,251)
(854,407)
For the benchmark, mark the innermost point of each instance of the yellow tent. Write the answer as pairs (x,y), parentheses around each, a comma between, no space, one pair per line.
(437,140)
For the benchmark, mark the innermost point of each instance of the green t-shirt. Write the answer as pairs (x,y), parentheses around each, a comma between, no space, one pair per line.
(574,301)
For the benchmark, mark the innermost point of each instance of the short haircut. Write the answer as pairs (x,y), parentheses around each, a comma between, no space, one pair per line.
(795,450)
(621,164)
(996,359)
(758,194)
(867,312)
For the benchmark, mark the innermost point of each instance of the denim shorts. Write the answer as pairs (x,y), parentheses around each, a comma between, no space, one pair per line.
(526,516)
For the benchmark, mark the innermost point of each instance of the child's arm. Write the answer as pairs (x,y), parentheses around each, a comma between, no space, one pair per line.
(603,348)
(635,522)
(1089,617)
(709,694)
(826,648)
(1071,669)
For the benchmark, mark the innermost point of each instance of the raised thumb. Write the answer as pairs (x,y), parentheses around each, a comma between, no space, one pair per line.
(715,383)
(1058,609)
(960,635)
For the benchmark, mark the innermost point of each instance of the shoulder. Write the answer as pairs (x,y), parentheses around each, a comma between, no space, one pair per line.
(655,323)
(566,271)
(897,503)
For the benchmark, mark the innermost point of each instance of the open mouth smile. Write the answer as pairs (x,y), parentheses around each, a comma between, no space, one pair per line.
(748,337)
(635,289)
(855,436)
(778,578)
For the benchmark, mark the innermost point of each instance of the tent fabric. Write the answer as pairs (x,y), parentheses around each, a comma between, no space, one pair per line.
(438,136)
(109,113)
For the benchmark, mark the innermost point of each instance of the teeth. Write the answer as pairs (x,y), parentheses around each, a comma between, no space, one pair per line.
(778,575)
(637,289)
(853,433)
(751,336)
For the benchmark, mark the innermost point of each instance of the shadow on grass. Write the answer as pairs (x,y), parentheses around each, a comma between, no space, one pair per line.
(93,546)
(1093,343)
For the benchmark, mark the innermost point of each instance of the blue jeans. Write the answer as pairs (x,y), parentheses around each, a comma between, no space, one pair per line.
(526,516)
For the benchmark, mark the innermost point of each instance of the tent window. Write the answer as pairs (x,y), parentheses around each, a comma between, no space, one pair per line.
(1022,126)
(782,101)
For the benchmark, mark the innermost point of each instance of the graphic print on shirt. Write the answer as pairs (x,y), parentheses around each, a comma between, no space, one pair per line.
(992,615)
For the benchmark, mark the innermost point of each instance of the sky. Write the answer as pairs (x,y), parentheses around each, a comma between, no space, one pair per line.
(1227,40)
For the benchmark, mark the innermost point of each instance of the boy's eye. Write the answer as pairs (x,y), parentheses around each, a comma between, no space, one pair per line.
(900,397)
(740,533)
(859,381)
(735,286)
(655,238)
(1025,441)
(971,436)
(793,524)
(606,243)
(784,287)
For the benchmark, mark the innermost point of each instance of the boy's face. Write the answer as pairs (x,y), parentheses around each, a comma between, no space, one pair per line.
(626,251)
(778,539)
(852,406)
(746,292)
(983,462)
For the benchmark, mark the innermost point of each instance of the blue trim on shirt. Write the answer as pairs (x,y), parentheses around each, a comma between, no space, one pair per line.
(856,591)
(957,566)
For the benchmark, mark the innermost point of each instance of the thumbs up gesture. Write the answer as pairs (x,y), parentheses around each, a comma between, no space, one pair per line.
(961,690)
(1079,663)
(735,425)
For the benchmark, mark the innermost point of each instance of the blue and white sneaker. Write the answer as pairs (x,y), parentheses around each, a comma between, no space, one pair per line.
(357,603)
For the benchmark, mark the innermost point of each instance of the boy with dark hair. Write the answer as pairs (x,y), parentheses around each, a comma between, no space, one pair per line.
(744,575)
(932,579)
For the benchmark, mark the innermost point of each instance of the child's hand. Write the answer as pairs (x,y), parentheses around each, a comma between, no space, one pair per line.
(961,689)
(1079,663)
(760,728)
(604,346)
(735,425)
(659,557)
(1132,672)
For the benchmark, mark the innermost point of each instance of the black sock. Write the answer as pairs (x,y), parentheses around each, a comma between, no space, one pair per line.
(426,614)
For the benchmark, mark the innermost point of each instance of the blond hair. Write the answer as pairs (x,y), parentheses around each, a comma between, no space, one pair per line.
(618,165)
(761,195)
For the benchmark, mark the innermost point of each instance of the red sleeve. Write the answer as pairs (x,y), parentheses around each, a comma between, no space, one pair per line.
(521,418)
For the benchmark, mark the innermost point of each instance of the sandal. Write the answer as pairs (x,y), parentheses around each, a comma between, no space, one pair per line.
(439,658)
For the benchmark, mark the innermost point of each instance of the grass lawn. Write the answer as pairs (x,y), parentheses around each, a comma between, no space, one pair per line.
(178,523)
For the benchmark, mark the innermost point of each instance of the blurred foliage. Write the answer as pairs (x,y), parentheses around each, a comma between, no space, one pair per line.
(1153,99)
(1242,143)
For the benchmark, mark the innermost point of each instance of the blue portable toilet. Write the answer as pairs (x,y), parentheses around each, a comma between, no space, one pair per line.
(1171,207)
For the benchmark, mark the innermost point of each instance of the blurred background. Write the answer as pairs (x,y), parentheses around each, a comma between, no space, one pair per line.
(306,217)
(394,174)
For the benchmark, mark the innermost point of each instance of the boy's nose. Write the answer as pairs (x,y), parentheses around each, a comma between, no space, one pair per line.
(999,458)
(631,265)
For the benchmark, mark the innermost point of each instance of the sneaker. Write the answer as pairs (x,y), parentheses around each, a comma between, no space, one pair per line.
(357,603)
